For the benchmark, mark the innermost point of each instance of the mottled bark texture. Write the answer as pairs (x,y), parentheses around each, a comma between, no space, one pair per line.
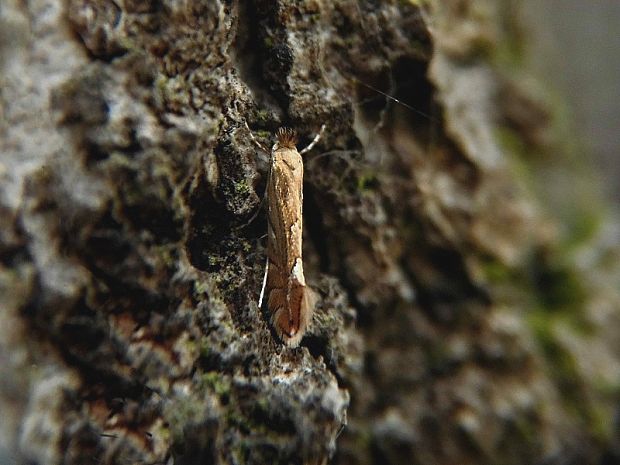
(467,277)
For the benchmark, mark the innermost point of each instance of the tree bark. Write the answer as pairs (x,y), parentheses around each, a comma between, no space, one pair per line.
(465,271)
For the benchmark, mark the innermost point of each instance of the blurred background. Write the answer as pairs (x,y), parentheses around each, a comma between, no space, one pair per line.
(575,46)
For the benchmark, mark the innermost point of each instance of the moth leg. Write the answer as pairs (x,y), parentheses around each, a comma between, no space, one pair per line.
(314,141)
(262,290)
(258,144)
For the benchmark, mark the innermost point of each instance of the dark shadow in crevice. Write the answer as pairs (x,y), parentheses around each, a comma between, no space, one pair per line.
(401,91)
(198,444)
(313,224)
(450,291)
(319,347)
(250,56)
(214,233)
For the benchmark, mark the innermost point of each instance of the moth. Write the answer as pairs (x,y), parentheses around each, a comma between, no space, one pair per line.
(289,300)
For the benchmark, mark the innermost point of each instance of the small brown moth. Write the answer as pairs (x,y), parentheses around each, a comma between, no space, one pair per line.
(289,300)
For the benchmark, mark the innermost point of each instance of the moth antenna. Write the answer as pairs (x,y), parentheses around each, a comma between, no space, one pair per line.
(316,139)
(254,139)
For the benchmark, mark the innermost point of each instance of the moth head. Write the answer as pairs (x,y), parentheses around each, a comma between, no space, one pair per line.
(287,138)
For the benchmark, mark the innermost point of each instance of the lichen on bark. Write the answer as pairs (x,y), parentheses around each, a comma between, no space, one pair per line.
(467,301)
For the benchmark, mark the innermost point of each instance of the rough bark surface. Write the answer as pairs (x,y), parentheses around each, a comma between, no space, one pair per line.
(467,278)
